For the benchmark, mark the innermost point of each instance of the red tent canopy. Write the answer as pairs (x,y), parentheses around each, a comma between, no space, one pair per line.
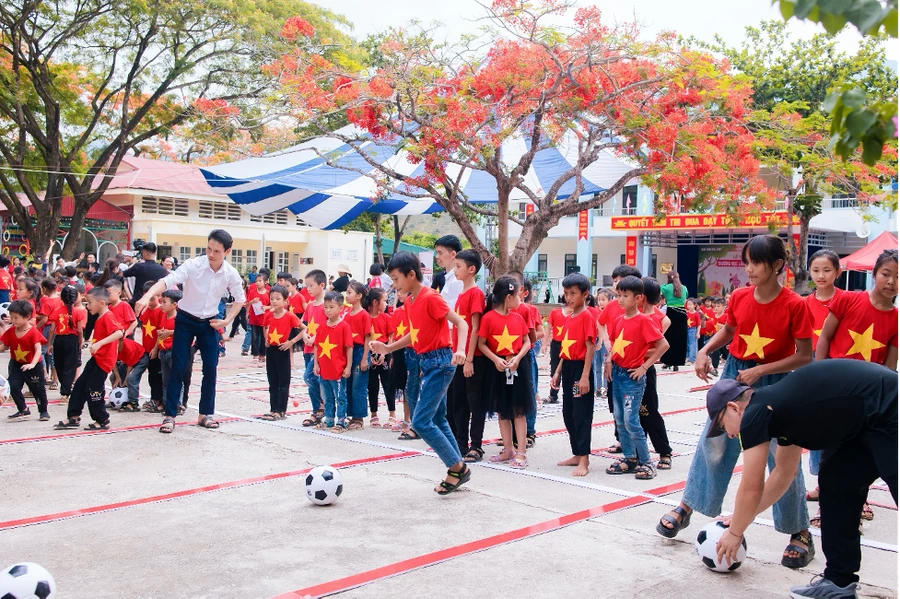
(864,258)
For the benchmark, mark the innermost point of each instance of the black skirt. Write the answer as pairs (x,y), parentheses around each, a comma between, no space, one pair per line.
(398,372)
(676,335)
(510,401)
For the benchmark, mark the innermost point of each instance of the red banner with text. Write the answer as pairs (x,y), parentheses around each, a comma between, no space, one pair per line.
(583,225)
(631,251)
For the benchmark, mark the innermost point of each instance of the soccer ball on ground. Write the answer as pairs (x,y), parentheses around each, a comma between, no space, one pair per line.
(26,581)
(117,397)
(324,485)
(4,310)
(4,389)
(706,548)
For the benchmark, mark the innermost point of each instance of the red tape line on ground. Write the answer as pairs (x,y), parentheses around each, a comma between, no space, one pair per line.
(189,492)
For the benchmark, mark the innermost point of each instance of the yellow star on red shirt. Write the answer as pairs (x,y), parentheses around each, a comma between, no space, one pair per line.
(20,354)
(505,341)
(375,336)
(565,344)
(620,344)
(413,333)
(311,327)
(326,346)
(401,330)
(864,343)
(756,344)
(275,337)
(149,328)
(558,331)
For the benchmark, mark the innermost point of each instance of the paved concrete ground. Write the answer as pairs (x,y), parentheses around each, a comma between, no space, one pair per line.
(132,513)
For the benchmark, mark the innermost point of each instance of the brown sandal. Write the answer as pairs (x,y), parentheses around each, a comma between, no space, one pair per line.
(207,422)
(168,425)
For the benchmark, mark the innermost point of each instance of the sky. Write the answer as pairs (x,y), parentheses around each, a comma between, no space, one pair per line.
(699,18)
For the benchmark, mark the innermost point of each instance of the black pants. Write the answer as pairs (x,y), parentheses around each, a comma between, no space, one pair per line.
(381,372)
(257,340)
(239,321)
(609,402)
(844,479)
(714,357)
(469,405)
(278,369)
(554,363)
(89,325)
(578,411)
(66,351)
(188,375)
(35,381)
(89,388)
(154,377)
(676,335)
(651,421)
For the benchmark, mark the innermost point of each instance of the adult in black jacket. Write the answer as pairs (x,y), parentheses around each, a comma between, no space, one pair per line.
(148,269)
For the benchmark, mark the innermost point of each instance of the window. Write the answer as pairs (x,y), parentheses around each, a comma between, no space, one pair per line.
(629,200)
(165,206)
(301,222)
(219,211)
(352,254)
(237,258)
(184,254)
(274,218)
(163,251)
(571,264)
(594,267)
(283,264)
(542,263)
(199,251)
(251,258)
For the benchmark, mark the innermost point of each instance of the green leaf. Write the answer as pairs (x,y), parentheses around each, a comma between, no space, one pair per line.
(866,15)
(859,121)
(854,98)
(833,142)
(872,148)
(831,100)
(833,23)
(803,7)
(837,117)
(890,23)
(834,7)
(787,9)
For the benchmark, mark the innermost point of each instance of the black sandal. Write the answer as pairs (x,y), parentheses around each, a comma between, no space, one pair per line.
(474,455)
(67,424)
(269,416)
(645,472)
(130,407)
(98,426)
(530,440)
(462,477)
(623,466)
(315,419)
(409,435)
(671,533)
(665,462)
(615,448)
(806,555)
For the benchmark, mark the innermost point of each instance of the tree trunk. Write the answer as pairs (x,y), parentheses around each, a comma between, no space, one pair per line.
(801,274)
(534,232)
(398,232)
(43,234)
(501,266)
(379,253)
(76,228)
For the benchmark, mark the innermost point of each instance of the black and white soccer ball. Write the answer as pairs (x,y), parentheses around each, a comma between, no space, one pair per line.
(5,391)
(26,581)
(116,399)
(324,485)
(707,538)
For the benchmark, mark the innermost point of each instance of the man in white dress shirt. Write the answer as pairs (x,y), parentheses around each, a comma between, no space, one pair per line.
(445,250)
(204,280)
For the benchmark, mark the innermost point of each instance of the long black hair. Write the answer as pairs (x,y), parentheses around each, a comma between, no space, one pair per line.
(372,296)
(69,296)
(504,287)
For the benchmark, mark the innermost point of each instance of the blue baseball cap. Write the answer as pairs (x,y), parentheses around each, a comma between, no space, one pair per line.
(724,391)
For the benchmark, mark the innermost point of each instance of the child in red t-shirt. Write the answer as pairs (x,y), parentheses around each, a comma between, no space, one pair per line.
(651,420)
(553,331)
(602,299)
(360,328)
(332,358)
(313,318)
(66,327)
(165,329)
(129,354)
(503,339)
(693,328)
(824,268)
(714,323)
(90,386)
(50,302)
(121,310)
(404,371)
(257,304)
(24,342)
(637,343)
(380,366)
(579,336)
(430,338)
(282,330)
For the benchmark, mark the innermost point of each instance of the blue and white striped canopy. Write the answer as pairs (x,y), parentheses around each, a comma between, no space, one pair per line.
(329,197)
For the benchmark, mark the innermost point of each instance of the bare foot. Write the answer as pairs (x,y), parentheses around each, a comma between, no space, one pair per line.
(573,461)
(582,467)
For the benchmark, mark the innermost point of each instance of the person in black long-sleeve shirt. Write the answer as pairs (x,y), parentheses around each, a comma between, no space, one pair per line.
(148,269)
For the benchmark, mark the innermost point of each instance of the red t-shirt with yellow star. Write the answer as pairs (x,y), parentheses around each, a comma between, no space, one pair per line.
(469,302)
(864,332)
(708,325)
(556,319)
(577,329)
(693,319)
(49,305)
(631,338)
(610,313)
(123,313)
(331,349)
(21,349)
(360,326)
(296,304)
(382,327)
(106,325)
(131,352)
(149,328)
(504,334)
(167,323)
(280,328)
(253,293)
(765,333)
(60,318)
(427,321)
(524,310)
(399,322)
(313,318)
(818,312)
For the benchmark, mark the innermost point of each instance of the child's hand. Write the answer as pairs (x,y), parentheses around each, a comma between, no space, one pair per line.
(286,345)
(500,364)
(702,366)
(316,370)
(749,376)
(378,347)
(468,369)
(28,366)
(584,386)
(513,364)
(637,373)
(164,333)
(459,358)
(92,348)
(363,366)
(346,373)
(554,382)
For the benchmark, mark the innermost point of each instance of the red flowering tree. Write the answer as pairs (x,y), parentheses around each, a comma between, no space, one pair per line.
(676,113)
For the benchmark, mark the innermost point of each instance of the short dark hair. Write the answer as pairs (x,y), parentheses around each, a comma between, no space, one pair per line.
(148,285)
(651,290)
(49,285)
(71,271)
(113,283)
(632,284)
(174,295)
(283,275)
(222,236)
(404,263)
(279,289)
(375,270)
(720,301)
(264,273)
(625,270)
(334,297)
(471,258)
(765,249)
(451,242)
(99,293)
(576,279)
(150,248)
(4,261)
(318,276)
(21,307)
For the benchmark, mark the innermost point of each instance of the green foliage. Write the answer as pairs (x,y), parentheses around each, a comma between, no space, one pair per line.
(855,123)
(868,16)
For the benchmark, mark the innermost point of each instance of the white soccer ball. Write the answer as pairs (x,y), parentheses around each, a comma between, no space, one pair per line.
(4,388)
(118,397)
(324,485)
(707,538)
(26,581)
(4,310)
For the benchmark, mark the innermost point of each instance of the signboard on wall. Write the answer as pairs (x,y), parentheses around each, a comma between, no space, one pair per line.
(700,221)
(720,270)
(583,225)
(631,250)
